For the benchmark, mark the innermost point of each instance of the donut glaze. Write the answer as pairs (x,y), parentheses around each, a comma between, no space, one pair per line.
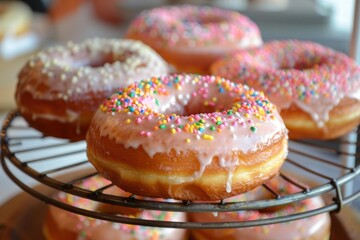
(61,224)
(189,137)
(312,228)
(60,88)
(316,89)
(192,37)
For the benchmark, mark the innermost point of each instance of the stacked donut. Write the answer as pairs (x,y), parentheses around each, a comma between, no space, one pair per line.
(61,224)
(316,227)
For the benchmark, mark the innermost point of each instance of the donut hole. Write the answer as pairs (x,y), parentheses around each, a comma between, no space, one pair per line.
(204,20)
(199,105)
(86,61)
(104,59)
(302,65)
(100,62)
(208,20)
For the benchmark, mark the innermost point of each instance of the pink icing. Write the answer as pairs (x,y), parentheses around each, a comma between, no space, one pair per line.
(316,227)
(94,229)
(192,26)
(311,76)
(205,114)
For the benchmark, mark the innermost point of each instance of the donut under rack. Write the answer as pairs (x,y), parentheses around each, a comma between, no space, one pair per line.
(332,166)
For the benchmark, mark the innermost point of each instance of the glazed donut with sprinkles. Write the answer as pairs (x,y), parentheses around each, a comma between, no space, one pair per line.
(60,88)
(60,224)
(187,137)
(192,37)
(316,88)
(315,227)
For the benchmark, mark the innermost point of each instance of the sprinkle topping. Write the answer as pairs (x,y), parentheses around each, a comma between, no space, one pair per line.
(194,25)
(310,75)
(94,65)
(87,227)
(302,229)
(207,116)
(221,105)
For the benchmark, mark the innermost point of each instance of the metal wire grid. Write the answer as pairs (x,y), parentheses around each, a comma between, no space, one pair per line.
(19,151)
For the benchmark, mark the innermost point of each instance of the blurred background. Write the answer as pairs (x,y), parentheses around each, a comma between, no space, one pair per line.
(328,22)
(49,22)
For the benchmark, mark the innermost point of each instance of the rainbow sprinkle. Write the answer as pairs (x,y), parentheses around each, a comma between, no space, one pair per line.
(232,105)
(298,70)
(86,225)
(193,26)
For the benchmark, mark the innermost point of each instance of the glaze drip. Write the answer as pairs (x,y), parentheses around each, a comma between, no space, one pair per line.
(213,116)
(311,76)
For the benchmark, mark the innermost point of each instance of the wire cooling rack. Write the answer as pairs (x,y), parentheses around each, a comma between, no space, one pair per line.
(330,166)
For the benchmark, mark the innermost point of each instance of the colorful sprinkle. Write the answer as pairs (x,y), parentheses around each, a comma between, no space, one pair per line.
(241,102)
(85,226)
(295,72)
(208,137)
(194,26)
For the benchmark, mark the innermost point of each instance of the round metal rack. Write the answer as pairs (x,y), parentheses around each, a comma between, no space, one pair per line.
(331,166)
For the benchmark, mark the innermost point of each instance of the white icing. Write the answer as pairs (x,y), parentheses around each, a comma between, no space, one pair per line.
(70,116)
(65,71)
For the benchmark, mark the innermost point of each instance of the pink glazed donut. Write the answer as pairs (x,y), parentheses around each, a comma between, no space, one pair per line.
(316,89)
(61,224)
(192,37)
(315,227)
(189,137)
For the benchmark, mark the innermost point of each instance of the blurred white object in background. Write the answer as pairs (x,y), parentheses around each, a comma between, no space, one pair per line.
(17,33)
(12,46)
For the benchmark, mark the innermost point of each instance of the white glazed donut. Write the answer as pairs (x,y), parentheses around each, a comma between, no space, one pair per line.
(60,88)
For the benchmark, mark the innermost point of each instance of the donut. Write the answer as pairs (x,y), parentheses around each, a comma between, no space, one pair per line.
(192,37)
(15,19)
(59,89)
(315,227)
(60,224)
(316,89)
(187,137)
